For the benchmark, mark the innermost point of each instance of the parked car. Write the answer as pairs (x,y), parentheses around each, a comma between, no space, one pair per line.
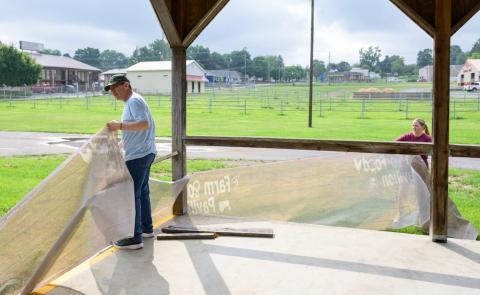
(474,86)
(70,89)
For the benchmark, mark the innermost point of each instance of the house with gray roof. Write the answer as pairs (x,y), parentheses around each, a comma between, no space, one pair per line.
(63,70)
(224,77)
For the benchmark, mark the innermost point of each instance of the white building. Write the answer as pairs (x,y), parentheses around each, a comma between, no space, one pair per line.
(470,72)
(425,74)
(156,77)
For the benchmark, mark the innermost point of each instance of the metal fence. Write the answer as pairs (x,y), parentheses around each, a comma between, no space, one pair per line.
(261,99)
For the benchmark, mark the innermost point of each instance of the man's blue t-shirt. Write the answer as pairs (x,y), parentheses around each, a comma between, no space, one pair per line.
(138,144)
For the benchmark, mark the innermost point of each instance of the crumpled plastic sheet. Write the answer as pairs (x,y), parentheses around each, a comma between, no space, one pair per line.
(372,191)
(78,210)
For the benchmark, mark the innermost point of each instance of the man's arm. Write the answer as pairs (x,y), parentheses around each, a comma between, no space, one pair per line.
(115,125)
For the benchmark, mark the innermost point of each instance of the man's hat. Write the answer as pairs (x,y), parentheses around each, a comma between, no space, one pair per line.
(118,78)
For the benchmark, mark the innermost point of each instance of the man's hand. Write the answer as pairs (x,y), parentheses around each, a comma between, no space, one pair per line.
(114,125)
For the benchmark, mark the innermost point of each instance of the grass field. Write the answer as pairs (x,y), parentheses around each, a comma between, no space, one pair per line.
(463,184)
(273,111)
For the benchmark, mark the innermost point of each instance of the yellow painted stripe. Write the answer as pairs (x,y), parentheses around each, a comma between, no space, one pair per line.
(45,289)
(92,261)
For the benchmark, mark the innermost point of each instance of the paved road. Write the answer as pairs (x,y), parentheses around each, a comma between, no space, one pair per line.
(37,143)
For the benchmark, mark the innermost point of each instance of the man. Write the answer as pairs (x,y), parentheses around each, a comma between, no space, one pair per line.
(138,138)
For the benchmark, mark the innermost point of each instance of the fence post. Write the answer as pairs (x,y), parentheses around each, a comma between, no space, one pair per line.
(454,108)
(330,102)
(281,107)
(320,105)
(210,105)
(10,100)
(406,107)
(34,103)
(245,107)
(478,102)
(363,107)
(298,101)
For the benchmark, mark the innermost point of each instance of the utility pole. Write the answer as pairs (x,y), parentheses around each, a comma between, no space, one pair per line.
(328,78)
(310,88)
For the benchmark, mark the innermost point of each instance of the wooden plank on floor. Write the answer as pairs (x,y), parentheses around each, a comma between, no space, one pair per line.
(223,231)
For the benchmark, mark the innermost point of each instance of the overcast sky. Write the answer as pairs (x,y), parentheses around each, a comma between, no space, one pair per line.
(270,27)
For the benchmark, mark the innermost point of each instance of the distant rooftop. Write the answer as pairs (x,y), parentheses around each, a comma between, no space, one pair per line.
(58,61)
(156,65)
(115,71)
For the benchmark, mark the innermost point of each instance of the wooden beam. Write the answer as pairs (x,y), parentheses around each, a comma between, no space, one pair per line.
(164,157)
(202,24)
(166,22)
(310,78)
(441,102)
(313,144)
(179,121)
(415,16)
(459,150)
(471,12)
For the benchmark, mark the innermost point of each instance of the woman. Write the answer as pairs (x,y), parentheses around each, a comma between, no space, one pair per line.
(419,133)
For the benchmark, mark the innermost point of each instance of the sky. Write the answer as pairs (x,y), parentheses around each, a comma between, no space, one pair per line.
(264,27)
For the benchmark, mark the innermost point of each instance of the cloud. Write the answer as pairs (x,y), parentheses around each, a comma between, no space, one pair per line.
(66,36)
(265,27)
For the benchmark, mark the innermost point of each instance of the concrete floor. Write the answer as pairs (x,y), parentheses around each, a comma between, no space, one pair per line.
(301,259)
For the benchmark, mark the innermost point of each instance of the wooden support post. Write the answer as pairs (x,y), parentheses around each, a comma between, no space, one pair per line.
(310,80)
(179,121)
(441,105)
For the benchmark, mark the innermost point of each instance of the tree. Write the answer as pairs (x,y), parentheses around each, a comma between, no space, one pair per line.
(332,67)
(111,59)
(398,64)
(239,59)
(370,58)
(424,58)
(160,49)
(51,51)
(156,51)
(17,68)
(66,55)
(385,66)
(89,55)
(318,69)
(475,55)
(343,66)
(475,48)
(294,73)
(457,56)
(260,67)
(219,60)
(201,55)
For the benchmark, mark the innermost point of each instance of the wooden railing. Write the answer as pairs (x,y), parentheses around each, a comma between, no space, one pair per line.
(380,147)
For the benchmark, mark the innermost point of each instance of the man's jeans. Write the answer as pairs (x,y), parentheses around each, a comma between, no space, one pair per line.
(140,171)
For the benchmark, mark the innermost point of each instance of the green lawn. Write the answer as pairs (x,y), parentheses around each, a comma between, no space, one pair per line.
(464,185)
(273,111)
